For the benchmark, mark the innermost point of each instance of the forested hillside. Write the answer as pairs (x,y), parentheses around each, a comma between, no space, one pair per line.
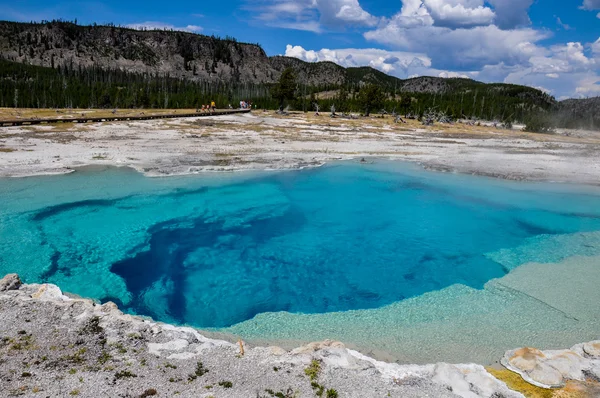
(28,86)
(62,64)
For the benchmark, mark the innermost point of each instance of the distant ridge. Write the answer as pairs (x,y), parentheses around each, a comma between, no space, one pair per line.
(185,55)
(208,63)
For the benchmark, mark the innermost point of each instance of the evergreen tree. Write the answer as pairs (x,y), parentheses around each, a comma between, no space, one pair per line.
(285,89)
(371,97)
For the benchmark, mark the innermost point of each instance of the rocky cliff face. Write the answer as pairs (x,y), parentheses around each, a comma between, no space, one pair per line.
(179,54)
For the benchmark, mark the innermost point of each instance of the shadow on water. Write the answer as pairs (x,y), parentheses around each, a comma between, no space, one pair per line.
(51,211)
(170,246)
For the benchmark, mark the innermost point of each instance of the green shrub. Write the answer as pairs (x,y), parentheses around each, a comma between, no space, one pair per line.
(313,370)
(331,393)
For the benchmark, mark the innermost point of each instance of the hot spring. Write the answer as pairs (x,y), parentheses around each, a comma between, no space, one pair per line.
(402,263)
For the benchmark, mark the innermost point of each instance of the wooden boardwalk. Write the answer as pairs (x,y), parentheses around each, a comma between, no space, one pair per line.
(28,122)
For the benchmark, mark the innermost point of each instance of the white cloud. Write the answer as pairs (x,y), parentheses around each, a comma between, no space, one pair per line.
(486,40)
(511,13)
(401,64)
(334,12)
(311,15)
(571,53)
(459,13)
(453,74)
(391,62)
(308,26)
(506,14)
(589,86)
(566,71)
(596,47)
(470,48)
(563,25)
(151,25)
(591,4)
(287,14)
(561,70)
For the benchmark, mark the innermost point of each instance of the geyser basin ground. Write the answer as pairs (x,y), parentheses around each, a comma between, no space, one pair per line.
(388,257)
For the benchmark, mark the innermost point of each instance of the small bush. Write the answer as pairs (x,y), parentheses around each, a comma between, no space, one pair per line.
(77,357)
(319,389)
(280,394)
(92,326)
(331,393)
(539,123)
(104,357)
(124,374)
(149,393)
(313,370)
(199,372)
(226,384)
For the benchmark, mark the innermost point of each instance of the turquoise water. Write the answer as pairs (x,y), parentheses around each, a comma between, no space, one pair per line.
(217,250)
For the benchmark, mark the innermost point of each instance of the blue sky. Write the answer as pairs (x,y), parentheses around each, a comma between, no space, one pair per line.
(550,44)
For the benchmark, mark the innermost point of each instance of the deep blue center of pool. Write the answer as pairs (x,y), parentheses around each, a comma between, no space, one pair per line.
(213,252)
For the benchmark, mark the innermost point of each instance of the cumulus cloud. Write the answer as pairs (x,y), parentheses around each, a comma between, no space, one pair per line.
(453,74)
(297,15)
(562,70)
(311,15)
(511,13)
(459,13)
(334,12)
(596,47)
(392,62)
(506,14)
(572,53)
(486,40)
(589,86)
(565,70)
(591,4)
(465,48)
(150,25)
(401,64)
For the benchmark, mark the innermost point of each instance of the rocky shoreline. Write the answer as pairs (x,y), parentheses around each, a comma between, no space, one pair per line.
(53,345)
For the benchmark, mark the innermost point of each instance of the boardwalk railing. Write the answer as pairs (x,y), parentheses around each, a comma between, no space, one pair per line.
(83,119)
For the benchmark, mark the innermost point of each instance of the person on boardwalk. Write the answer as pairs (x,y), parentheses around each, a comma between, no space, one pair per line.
(213,106)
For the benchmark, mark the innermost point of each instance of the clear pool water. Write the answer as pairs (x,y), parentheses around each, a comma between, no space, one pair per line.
(214,251)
